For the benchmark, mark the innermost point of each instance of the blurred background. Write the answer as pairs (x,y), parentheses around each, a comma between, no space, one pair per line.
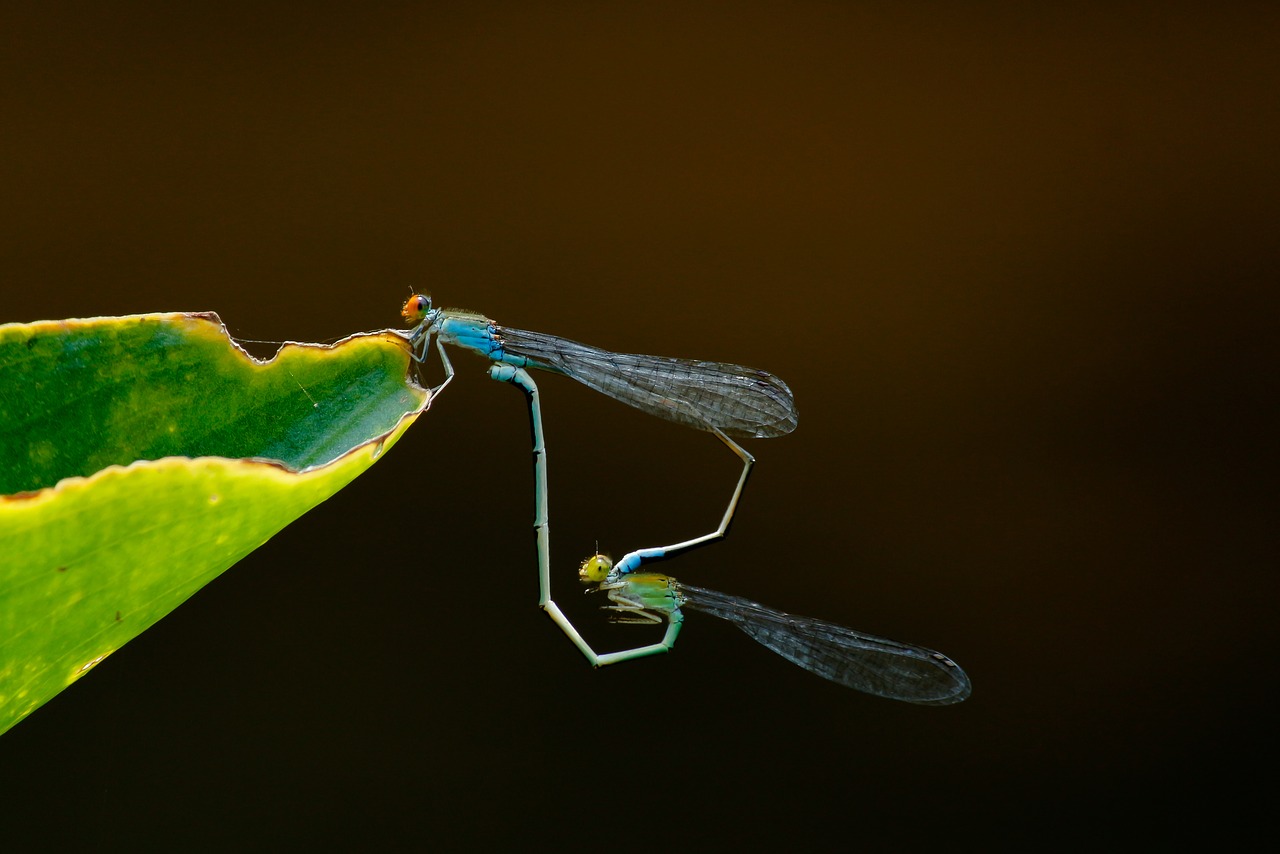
(1019,267)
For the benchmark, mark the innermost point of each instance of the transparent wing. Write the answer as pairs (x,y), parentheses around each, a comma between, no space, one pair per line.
(886,668)
(741,401)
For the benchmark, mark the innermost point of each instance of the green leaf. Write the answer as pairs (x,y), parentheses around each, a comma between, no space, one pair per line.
(144,455)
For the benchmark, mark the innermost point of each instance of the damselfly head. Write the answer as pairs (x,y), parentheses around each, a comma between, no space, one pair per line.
(595,569)
(415,308)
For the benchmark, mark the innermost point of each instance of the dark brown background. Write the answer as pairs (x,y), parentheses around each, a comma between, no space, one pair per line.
(1018,266)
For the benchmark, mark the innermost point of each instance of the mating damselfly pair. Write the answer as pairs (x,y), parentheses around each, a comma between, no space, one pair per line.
(729,401)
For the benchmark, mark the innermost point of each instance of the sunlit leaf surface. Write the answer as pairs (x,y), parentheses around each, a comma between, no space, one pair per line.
(142,456)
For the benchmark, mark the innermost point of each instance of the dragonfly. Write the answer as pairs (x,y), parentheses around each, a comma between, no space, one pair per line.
(723,399)
(854,659)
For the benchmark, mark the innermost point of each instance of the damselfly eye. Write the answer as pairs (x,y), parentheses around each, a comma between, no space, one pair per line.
(415,308)
(595,568)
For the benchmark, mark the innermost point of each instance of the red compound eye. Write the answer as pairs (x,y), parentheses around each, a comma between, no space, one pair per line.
(415,308)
